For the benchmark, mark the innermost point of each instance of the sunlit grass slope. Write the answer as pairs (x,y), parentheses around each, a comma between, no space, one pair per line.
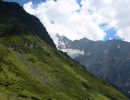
(32,70)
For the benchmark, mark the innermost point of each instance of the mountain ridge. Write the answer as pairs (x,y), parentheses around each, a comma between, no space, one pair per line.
(108,60)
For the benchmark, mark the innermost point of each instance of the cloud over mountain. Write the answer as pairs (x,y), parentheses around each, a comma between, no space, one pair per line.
(76,19)
(66,17)
(114,13)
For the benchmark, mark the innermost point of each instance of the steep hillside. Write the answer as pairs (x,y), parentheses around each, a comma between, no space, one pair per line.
(20,22)
(32,69)
(109,60)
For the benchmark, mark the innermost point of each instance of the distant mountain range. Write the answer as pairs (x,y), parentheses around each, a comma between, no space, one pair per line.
(109,60)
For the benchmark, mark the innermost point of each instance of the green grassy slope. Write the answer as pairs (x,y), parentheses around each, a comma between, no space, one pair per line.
(32,70)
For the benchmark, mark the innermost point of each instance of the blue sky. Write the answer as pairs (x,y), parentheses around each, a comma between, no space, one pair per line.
(25,1)
(79,2)
(19,1)
(111,33)
(35,1)
(118,29)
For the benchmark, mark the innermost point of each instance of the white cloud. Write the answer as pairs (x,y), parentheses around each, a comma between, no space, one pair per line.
(115,13)
(63,17)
